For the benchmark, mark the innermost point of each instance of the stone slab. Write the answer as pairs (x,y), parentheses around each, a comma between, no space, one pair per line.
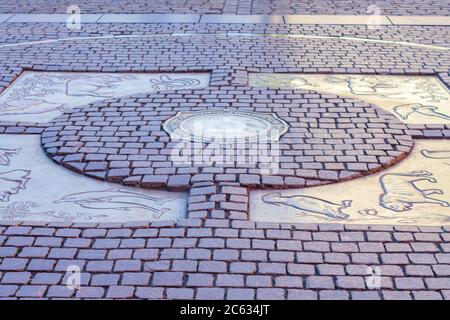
(230,18)
(335,19)
(42,96)
(415,192)
(421,20)
(33,188)
(149,18)
(412,99)
(5,17)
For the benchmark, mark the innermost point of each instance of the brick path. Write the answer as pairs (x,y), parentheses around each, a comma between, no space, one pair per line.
(424,7)
(217,252)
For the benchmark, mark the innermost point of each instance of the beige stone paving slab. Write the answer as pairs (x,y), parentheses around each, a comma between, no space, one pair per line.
(421,20)
(42,96)
(414,192)
(336,19)
(33,188)
(412,99)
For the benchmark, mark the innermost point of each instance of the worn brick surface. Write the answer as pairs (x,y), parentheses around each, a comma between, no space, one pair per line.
(217,253)
(425,7)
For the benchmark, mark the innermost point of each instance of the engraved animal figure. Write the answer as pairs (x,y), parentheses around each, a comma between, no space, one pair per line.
(6,155)
(400,191)
(114,199)
(310,205)
(366,85)
(12,181)
(437,154)
(103,86)
(30,106)
(165,82)
(277,81)
(405,110)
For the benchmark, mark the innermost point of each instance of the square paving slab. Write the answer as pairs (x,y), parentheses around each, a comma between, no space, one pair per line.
(42,96)
(414,192)
(412,99)
(33,188)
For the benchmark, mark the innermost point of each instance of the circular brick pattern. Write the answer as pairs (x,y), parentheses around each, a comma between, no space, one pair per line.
(329,139)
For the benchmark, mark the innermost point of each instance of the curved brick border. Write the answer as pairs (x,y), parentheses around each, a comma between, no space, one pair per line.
(330,139)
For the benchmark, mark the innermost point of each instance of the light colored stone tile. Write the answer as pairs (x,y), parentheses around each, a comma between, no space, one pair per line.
(42,96)
(415,192)
(231,18)
(412,99)
(33,188)
(421,20)
(334,19)
(5,17)
(149,18)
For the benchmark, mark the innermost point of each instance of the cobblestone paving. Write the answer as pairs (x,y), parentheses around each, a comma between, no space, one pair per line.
(217,252)
(424,7)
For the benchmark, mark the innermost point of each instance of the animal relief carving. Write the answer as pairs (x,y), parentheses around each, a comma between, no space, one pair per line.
(400,191)
(12,182)
(312,205)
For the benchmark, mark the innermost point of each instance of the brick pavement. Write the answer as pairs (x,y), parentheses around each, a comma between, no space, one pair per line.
(217,252)
(424,7)
(315,150)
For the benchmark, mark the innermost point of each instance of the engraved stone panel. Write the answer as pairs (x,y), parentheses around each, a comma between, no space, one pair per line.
(42,96)
(414,192)
(33,188)
(412,99)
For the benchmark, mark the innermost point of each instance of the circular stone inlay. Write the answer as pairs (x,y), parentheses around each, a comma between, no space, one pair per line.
(225,126)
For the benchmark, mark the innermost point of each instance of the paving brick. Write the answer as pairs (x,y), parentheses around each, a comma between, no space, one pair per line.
(105,279)
(120,292)
(31,291)
(365,295)
(8,290)
(16,278)
(149,293)
(289,282)
(13,264)
(210,294)
(296,294)
(409,283)
(396,295)
(135,279)
(270,294)
(351,282)
(258,281)
(172,279)
(229,280)
(127,265)
(200,280)
(319,282)
(427,295)
(47,278)
(180,293)
(334,295)
(60,292)
(437,283)
(90,292)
